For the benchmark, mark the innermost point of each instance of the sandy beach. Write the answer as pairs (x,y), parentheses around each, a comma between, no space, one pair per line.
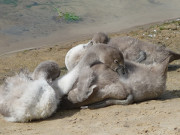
(154,117)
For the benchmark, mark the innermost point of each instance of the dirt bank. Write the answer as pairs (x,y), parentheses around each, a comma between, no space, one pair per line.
(161,117)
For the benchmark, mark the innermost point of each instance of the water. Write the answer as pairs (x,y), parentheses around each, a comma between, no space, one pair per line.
(33,23)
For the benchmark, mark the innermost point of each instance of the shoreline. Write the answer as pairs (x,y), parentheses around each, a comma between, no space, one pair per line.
(12,62)
(88,36)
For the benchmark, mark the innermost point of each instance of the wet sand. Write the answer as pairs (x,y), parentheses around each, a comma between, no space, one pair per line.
(154,117)
(28,24)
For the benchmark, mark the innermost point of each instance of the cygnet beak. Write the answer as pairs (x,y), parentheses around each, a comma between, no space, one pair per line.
(121,70)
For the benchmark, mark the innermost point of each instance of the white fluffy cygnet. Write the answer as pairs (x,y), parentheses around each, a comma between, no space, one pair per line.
(75,54)
(23,99)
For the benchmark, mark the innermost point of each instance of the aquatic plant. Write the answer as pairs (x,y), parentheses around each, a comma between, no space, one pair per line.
(60,14)
(67,16)
(71,16)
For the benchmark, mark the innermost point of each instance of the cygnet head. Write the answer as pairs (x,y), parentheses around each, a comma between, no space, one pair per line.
(110,56)
(49,70)
(100,37)
(115,60)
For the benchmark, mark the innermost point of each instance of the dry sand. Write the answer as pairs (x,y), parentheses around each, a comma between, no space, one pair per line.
(154,117)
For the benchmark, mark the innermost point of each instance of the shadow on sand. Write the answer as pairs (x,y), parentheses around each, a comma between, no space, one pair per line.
(170,95)
(65,108)
(173,67)
(59,114)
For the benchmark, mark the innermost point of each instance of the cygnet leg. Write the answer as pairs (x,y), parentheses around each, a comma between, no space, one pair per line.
(109,102)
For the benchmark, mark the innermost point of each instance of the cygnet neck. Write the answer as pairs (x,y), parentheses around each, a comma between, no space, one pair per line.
(65,83)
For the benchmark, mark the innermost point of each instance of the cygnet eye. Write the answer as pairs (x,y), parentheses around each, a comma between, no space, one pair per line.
(91,42)
(116,61)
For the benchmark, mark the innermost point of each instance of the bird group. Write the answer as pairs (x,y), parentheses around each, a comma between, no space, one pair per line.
(105,71)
